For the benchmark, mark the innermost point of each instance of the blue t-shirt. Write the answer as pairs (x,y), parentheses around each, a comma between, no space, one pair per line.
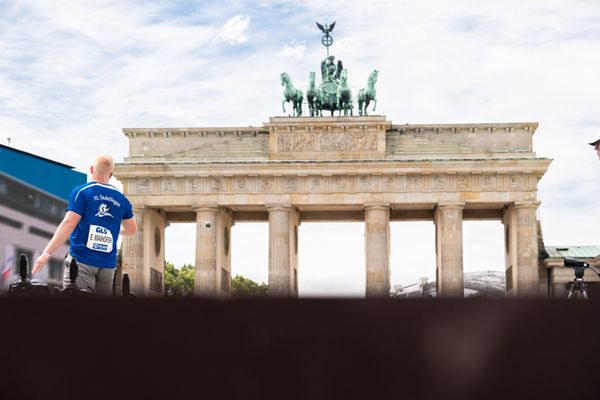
(102,207)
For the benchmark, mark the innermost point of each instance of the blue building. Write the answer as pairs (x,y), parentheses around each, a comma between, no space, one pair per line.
(34,192)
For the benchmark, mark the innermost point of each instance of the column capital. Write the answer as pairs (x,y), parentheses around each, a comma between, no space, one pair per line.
(450,205)
(205,207)
(139,210)
(376,205)
(279,207)
(527,204)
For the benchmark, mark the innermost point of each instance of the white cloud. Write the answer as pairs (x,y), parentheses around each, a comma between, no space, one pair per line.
(234,30)
(294,50)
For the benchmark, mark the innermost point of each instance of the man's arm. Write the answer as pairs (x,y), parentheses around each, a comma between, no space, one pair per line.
(61,235)
(128,227)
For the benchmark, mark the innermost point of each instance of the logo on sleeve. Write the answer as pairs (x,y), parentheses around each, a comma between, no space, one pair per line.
(103,211)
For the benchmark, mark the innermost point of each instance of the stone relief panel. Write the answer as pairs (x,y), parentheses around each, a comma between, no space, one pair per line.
(168,185)
(244,184)
(290,184)
(216,184)
(489,182)
(315,184)
(515,181)
(364,183)
(464,182)
(326,141)
(339,184)
(266,185)
(389,183)
(439,182)
(194,185)
(143,185)
(414,182)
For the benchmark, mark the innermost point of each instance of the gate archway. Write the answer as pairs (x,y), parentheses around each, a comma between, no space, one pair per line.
(331,169)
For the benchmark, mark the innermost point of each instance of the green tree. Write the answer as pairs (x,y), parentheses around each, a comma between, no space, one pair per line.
(245,287)
(179,281)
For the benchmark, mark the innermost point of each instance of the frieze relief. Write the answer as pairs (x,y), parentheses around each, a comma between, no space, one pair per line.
(464,182)
(339,184)
(365,183)
(315,184)
(326,141)
(168,185)
(489,182)
(267,185)
(143,185)
(216,184)
(390,183)
(290,184)
(440,182)
(515,181)
(194,185)
(243,184)
(413,182)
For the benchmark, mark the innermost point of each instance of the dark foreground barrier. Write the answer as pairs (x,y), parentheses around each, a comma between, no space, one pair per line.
(182,348)
(24,285)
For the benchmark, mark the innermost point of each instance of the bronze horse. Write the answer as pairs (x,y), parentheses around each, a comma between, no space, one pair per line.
(291,94)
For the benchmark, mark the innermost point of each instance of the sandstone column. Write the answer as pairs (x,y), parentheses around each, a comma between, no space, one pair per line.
(205,278)
(154,251)
(522,274)
(132,254)
(377,249)
(294,239)
(224,225)
(449,249)
(282,271)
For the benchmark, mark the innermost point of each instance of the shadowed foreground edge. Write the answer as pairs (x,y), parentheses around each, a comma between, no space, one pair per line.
(174,348)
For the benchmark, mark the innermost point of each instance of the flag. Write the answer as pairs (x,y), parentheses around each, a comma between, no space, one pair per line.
(8,267)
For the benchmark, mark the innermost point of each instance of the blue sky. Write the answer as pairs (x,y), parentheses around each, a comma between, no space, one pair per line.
(74,73)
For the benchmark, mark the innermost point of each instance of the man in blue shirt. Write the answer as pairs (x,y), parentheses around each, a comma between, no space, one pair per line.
(97,213)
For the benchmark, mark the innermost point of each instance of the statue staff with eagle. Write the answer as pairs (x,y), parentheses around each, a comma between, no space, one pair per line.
(330,72)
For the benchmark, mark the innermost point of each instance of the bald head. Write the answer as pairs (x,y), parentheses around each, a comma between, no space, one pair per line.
(102,167)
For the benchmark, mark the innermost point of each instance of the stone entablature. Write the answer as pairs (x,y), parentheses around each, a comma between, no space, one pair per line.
(332,138)
(133,133)
(343,182)
(173,144)
(461,141)
(397,182)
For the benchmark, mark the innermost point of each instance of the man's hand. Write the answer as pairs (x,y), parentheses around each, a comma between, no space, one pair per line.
(40,262)
(60,237)
(128,227)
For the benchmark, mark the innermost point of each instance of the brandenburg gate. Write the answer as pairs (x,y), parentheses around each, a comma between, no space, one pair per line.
(365,168)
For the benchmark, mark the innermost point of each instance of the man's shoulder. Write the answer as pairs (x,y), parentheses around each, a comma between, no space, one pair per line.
(94,188)
(78,189)
(113,193)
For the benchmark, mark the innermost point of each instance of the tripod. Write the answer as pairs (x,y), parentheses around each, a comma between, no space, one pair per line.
(578,284)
